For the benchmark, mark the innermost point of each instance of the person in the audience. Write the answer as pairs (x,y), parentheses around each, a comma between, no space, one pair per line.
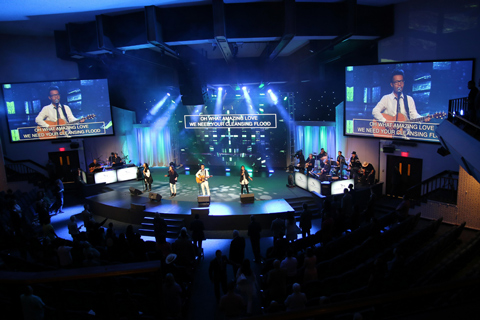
(309,264)
(184,248)
(297,300)
(305,220)
(33,307)
(197,227)
(236,253)
(232,304)
(290,264)
(247,285)
(278,228)
(217,272)
(277,282)
(254,232)
(172,297)
(291,228)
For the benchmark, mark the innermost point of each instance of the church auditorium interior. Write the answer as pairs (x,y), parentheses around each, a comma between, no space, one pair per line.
(239,159)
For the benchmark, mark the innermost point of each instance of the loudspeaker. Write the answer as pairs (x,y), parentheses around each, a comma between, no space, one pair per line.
(443,152)
(74,145)
(203,201)
(154,196)
(200,211)
(135,192)
(247,198)
(137,207)
(389,149)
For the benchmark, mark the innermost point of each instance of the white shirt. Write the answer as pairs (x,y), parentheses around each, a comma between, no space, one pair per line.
(203,172)
(388,105)
(49,113)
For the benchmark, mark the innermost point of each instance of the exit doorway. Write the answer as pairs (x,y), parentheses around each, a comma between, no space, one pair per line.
(66,164)
(402,174)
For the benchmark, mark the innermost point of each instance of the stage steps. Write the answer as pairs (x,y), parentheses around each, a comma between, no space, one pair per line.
(296,204)
(173,227)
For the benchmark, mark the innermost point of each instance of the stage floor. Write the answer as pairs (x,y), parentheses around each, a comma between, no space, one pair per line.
(223,188)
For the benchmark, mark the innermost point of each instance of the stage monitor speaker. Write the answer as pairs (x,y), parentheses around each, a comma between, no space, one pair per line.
(154,196)
(200,211)
(389,148)
(203,201)
(135,192)
(247,198)
(136,207)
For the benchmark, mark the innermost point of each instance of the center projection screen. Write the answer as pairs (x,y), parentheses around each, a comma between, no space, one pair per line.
(424,88)
(236,127)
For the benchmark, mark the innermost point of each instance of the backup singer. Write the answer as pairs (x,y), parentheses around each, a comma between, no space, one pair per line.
(147,176)
(173,177)
(202,179)
(244,178)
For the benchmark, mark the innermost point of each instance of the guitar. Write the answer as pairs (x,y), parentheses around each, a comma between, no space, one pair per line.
(385,129)
(46,133)
(92,169)
(201,179)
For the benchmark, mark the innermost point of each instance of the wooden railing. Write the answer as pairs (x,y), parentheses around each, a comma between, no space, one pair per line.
(16,170)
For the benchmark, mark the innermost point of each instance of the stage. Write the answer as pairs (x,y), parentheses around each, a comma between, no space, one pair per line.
(225,211)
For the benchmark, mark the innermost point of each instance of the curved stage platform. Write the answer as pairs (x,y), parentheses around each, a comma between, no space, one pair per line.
(122,206)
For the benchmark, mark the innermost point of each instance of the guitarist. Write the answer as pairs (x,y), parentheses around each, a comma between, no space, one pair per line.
(202,179)
(395,103)
(94,166)
(55,110)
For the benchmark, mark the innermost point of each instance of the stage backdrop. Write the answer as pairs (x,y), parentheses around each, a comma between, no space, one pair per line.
(152,145)
(311,139)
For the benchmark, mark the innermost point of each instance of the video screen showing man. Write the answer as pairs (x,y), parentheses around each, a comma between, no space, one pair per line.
(397,106)
(55,113)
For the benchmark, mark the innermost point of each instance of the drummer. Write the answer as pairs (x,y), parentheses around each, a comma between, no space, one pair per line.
(322,156)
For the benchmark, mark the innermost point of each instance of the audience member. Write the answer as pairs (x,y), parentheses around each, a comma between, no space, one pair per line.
(217,272)
(197,228)
(297,300)
(403,208)
(310,263)
(277,282)
(86,215)
(278,228)
(64,255)
(290,265)
(172,297)
(347,204)
(254,232)
(163,246)
(291,229)
(232,304)
(159,226)
(328,227)
(237,251)
(58,192)
(33,307)
(247,284)
(305,221)
(49,231)
(73,229)
(184,249)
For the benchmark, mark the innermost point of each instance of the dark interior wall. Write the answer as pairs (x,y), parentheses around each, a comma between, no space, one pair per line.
(25,59)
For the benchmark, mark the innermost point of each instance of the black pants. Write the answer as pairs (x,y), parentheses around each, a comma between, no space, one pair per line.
(149,185)
(245,186)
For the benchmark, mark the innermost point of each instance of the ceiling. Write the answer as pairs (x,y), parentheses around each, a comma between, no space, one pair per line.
(34,17)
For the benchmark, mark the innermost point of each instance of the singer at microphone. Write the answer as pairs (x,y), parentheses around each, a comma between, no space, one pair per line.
(397,101)
(55,111)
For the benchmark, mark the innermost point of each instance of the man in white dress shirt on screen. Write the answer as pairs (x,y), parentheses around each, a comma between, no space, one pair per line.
(55,110)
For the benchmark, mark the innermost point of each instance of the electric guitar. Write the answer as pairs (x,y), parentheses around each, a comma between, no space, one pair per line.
(201,179)
(45,133)
(92,169)
(385,130)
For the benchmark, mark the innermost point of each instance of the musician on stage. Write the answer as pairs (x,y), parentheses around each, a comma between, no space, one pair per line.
(55,110)
(116,160)
(310,163)
(325,170)
(301,161)
(147,176)
(202,178)
(94,166)
(395,102)
(340,164)
(322,156)
(173,177)
(354,166)
(369,173)
(244,176)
